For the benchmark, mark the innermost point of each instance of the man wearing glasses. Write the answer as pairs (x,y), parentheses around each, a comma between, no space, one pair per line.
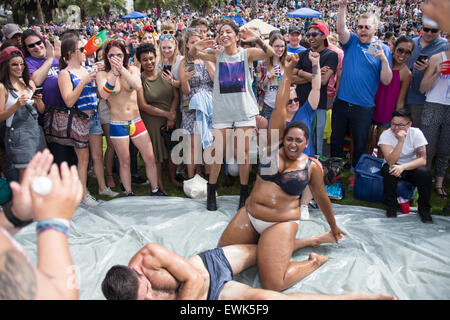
(426,45)
(404,150)
(367,61)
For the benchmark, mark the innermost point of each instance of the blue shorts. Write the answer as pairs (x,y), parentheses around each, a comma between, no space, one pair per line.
(125,129)
(219,270)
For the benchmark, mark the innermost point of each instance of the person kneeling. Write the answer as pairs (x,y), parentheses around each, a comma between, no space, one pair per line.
(405,154)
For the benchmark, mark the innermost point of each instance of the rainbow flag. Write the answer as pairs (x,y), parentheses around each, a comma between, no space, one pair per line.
(95,42)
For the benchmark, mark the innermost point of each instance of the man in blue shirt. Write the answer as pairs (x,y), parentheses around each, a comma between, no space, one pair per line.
(427,44)
(362,71)
(294,41)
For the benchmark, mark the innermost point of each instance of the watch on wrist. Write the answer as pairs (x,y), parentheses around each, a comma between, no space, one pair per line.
(11,218)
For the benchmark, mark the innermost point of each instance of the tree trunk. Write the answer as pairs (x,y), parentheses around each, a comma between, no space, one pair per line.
(39,10)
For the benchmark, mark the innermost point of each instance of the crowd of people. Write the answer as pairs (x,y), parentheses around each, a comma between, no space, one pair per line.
(381,67)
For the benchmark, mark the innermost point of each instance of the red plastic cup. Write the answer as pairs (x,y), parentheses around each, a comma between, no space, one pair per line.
(445,67)
(404,206)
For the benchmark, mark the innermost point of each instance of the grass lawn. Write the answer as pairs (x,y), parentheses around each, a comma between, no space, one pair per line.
(144,190)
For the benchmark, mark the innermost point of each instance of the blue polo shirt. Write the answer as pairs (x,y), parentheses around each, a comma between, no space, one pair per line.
(360,72)
(414,96)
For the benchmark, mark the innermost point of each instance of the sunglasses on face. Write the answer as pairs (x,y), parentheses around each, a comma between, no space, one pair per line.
(81,49)
(360,27)
(430,29)
(403,51)
(162,37)
(313,34)
(293,100)
(118,55)
(32,45)
(168,31)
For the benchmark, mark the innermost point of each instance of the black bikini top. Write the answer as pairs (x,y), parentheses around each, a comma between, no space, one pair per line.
(291,182)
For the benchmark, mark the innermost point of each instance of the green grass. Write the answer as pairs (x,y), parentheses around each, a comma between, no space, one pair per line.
(144,190)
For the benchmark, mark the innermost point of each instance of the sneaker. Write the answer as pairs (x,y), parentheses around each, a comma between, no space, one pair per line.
(89,201)
(304,212)
(391,212)
(131,194)
(158,193)
(425,216)
(139,180)
(108,192)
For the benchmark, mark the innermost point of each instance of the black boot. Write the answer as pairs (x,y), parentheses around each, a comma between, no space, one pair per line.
(211,197)
(243,196)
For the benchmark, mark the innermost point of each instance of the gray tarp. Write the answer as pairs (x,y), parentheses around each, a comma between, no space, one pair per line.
(402,256)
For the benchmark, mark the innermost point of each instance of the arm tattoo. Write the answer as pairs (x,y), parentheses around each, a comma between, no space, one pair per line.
(17,277)
(421,152)
(211,51)
(314,71)
(262,44)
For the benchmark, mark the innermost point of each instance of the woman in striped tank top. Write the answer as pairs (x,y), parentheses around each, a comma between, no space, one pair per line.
(77,86)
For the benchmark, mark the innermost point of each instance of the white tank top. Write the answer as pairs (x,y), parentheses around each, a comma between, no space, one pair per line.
(440,93)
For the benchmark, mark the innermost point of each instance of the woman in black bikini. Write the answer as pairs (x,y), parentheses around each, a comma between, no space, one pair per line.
(270,216)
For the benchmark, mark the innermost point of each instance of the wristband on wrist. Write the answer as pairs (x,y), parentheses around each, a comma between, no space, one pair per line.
(109,88)
(57,224)
(17,223)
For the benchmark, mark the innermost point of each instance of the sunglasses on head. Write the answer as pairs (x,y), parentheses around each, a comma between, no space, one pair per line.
(430,29)
(360,27)
(32,45)
(404,51)
(168,31)
(313,34)
(293,100)
(162,37)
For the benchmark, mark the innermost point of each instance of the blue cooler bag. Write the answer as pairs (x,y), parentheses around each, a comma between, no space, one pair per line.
(369,181)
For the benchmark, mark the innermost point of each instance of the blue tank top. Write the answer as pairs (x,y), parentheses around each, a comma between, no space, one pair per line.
(291,182)
(88,97)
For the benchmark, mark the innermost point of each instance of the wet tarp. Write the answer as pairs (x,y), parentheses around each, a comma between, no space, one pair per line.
(401,256)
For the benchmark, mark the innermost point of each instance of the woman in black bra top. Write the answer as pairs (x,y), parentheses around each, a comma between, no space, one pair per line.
(270,216)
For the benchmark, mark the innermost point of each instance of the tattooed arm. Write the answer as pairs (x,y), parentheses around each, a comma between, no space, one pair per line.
(314,94)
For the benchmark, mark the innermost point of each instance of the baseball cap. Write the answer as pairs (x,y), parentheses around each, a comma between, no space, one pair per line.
(11,29)
(294,29)
(6,54)
(429,22)
(322,27)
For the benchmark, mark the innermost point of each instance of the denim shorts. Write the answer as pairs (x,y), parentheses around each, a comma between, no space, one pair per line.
(94,125)
(266,111)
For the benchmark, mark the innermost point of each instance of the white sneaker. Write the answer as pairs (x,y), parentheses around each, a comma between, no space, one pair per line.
(108,192)
(89,201)
(304,212)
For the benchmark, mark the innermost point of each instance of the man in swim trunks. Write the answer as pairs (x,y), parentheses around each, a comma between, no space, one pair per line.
(119,84)
(155,273)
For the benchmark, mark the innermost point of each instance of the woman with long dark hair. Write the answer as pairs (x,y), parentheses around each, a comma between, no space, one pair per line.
(19,106)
